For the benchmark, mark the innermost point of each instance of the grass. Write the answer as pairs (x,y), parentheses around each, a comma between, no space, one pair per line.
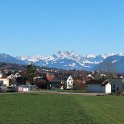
(69,91)
(43,108)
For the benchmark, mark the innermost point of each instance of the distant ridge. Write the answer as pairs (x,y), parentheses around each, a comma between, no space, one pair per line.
(10,59)
(71,60)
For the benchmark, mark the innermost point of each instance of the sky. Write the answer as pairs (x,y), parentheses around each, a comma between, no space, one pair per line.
(43,27)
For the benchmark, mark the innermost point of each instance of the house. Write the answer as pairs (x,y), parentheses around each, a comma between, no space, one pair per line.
(14,76)
(98,86)
(69,82)
(117,84)
(57,84)
(1,75)
(62,83)
(4,81)
(90,77)
(54,83)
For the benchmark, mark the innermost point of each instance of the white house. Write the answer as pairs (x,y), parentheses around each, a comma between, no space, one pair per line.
(70,82)
(14,76)
(98,86)
(4,81)
(1,75)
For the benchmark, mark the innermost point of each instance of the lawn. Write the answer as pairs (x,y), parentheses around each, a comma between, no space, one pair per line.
(44,108)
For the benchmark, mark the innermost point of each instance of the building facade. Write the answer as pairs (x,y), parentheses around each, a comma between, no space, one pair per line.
(98,86)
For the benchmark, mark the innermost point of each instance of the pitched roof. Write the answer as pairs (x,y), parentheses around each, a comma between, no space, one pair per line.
(50,77)
(101,82)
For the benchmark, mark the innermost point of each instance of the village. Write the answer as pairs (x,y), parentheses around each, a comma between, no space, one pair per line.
(33,78)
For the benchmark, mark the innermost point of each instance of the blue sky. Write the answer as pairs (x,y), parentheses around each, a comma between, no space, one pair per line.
(43,27)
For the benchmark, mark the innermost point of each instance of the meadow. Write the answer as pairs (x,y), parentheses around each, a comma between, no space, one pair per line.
(44,108)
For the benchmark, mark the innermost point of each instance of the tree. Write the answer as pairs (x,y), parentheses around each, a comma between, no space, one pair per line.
(31,72)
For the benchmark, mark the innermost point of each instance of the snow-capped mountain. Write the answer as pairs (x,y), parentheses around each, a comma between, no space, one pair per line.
(65,60)
(71,60)
(35,59)
(68,55)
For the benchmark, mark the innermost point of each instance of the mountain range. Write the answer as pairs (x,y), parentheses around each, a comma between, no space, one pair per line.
(72,60)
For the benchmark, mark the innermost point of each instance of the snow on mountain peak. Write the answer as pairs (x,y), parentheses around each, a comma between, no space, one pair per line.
(67,54)
(36,58)
(71,60)
(91,56)
(121,54)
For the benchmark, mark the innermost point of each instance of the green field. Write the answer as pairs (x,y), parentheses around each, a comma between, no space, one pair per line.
(46,108)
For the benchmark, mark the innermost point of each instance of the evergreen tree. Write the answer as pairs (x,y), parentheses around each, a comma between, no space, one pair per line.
(31,72)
